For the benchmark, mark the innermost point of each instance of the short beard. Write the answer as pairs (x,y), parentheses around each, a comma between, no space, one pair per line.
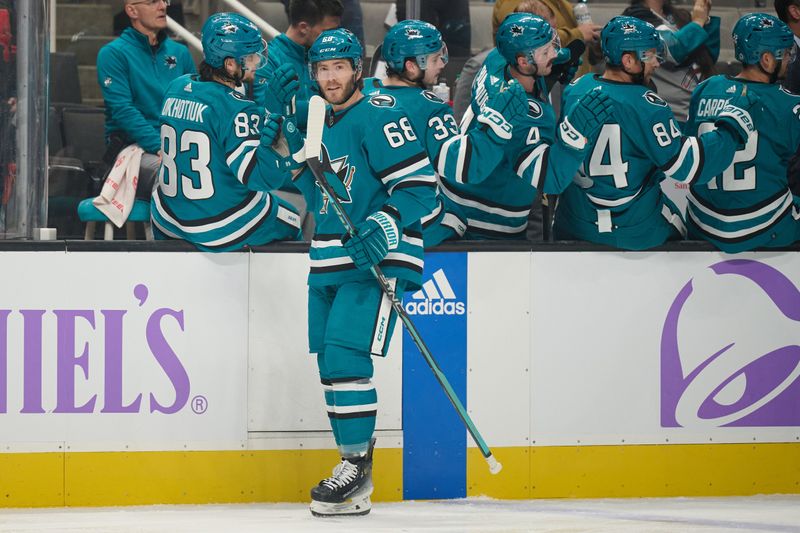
(348,90)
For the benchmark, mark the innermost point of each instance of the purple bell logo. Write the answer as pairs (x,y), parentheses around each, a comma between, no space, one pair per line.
(730,349)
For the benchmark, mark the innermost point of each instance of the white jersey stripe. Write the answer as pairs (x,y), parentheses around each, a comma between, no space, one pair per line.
(738,233)
(483,207)
(497,227)
(407,170)
(236,153)
(779,203)
(214,225)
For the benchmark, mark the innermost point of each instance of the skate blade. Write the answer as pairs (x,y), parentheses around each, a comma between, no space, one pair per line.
(349,508)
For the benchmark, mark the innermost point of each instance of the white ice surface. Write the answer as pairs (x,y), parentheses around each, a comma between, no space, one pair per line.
(758,513)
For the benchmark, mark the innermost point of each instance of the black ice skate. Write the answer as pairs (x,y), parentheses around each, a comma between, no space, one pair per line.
(347,491)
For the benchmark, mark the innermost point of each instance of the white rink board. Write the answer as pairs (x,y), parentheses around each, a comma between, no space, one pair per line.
(597,331)
(206,356)
(499,346)
(285,394)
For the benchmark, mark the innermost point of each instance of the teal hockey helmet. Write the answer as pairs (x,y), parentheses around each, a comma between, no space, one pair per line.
(231,35)
(629,34)
(756,33)
(523,33)
(412,39)
(335,44)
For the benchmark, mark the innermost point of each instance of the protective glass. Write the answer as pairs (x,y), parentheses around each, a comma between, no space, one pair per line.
(648,56)
(544,54)
(254,61)
(331,69)
(786,55)
(432,59)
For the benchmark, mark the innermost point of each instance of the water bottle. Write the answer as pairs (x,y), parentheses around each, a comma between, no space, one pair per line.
(442,91)
(581,12)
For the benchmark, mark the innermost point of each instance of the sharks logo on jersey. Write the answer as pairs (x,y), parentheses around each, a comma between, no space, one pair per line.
(171,62)
(654,99)
(534,109)
(382,100)
(340,177)
(432,97)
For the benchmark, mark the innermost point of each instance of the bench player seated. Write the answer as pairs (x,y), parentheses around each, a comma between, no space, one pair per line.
(616,198)
(218,161)
(749,204)
(510,106)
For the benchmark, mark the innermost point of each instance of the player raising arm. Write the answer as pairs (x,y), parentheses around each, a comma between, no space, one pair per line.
(616,199)
(749,204)
(509,104)
(217,157)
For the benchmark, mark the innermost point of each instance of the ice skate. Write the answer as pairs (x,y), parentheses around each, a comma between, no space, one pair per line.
(347,491)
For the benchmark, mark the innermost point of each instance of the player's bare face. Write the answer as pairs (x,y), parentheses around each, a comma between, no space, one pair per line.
(336,79)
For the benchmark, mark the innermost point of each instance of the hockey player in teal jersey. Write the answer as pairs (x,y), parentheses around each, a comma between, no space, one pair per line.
(288,55)
(383,178)
(749,203)
(616,198)
(415,56)
(218,161)
(533,155)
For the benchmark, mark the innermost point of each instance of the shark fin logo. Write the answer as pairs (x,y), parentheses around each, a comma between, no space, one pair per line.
(340,177)
(730,351)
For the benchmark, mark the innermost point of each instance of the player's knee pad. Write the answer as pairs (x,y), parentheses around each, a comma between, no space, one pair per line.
(339,362)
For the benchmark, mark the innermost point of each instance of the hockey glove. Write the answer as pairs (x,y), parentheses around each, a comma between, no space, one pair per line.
(567,62)
(271,129)
(502,109)
(274,135)
(294,139)
(284,85)
(736,115)
(584,120)
(373,240)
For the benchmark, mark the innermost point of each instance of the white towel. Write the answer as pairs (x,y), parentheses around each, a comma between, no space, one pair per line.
(119,190)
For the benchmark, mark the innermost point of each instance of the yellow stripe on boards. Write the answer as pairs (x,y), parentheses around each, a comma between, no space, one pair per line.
(637,471)
(142,478)
(32,479)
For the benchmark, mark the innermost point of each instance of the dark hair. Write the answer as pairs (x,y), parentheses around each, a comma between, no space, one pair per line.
(782,9)
(313,11)
(681,17)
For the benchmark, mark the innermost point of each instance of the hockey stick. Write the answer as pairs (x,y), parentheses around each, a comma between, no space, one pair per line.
(316,123)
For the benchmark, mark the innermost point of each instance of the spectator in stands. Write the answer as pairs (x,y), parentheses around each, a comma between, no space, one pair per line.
(134,71)
(568,27)
(789,12)
(307,19)
(692,41)
(451,17)
(174,11)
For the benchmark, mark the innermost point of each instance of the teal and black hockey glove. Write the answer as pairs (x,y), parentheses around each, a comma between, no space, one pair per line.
(284,85)
(373,240)
(502,109)
(583,121)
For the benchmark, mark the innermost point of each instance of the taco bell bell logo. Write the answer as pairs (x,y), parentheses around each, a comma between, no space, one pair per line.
(730,349)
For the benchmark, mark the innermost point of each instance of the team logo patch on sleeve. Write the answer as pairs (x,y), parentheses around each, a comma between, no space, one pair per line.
(654,99)
(171,62)
(534,109)
(432,97)
(382,100)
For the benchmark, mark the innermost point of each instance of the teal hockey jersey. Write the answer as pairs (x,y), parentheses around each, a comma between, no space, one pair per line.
(438,131)
(497,199)
(215,171)
(374,161)
(616,198)
(749,203)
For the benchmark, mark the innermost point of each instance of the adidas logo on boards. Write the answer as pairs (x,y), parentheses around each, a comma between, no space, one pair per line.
(436,298)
